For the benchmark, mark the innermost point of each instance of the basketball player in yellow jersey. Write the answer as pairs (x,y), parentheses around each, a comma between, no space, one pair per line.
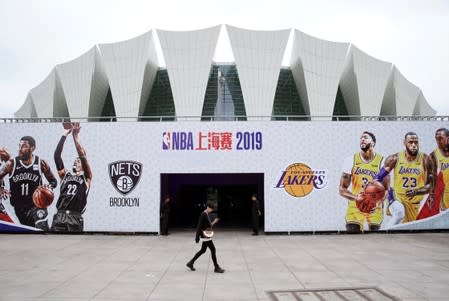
(358,170)
(440,160)
(411,179)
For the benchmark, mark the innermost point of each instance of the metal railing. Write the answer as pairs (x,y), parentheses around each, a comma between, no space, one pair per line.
(228,118)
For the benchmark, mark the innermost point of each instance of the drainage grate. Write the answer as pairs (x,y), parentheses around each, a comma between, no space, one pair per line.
(334,294)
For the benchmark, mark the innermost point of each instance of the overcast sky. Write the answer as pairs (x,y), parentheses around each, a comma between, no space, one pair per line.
(37,35)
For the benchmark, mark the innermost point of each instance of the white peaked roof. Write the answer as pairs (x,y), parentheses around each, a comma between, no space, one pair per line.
(84,83)
(402,98)
(258,58)
(372,78)
(188,56)
(389,102)
(422,107)
(79,88)
(131,68)
(406,94)
(348,86)
(43,96)
(48,98)
(317,66)
(27,110)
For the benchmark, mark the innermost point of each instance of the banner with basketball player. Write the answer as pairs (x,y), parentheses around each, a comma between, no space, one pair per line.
(317,176)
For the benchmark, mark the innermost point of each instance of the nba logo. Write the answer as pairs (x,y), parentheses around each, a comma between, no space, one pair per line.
(166,140)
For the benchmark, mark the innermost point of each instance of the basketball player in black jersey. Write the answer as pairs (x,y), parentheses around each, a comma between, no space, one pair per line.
(75,186)
(25,175)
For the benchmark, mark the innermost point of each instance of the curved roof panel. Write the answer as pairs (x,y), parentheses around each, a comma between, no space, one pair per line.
(131,67)
(372,78)
(188,56)
(84,83)
(258,57)
(317,66)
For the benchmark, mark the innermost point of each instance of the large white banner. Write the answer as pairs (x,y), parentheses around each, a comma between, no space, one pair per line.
(302,164)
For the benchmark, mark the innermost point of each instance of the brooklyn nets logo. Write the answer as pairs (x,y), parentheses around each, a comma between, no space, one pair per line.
(125,175)
(298,180)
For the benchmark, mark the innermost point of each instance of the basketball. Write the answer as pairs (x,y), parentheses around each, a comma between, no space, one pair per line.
(43,197)
(67,125)
(374,191)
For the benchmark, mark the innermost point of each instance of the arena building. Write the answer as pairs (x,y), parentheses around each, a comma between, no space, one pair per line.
(325,79)
(275,134)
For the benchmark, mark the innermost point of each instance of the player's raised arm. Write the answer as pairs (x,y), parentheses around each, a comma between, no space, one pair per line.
(81,152)
(57,155)
(45,168)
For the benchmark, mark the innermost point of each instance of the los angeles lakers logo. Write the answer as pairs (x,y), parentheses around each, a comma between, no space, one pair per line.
(299,180)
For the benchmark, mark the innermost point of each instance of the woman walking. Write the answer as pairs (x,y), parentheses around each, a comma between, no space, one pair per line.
(205,232)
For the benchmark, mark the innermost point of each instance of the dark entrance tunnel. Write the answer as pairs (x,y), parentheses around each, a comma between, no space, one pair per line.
(232,192)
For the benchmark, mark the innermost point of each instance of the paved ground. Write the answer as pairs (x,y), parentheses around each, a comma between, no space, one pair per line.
(411,266)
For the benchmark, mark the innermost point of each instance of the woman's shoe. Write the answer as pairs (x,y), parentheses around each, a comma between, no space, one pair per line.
(218,270)
(190,266)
